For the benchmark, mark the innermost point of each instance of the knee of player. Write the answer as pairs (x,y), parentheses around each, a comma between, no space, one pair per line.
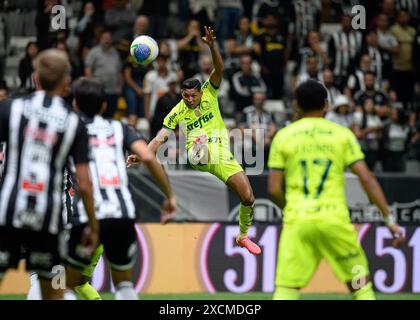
(248,199)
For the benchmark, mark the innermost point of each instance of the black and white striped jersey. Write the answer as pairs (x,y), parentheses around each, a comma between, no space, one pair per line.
(412,6)
(108,140)
(41,133)
(343,49)
(68,195)
(2,157)
(306,18)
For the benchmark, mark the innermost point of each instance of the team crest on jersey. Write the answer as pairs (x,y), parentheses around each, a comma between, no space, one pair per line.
(197,112)
(205,105)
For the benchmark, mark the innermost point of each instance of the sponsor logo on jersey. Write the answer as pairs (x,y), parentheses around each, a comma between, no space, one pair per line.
(41,134)
(94,141)
(57,118)
(30,219)
(199,123)
(172,119)
(32,187)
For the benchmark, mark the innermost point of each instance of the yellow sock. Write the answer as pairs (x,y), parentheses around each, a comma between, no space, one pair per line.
(283,293)
(365,293)
(86,291)
(246,215)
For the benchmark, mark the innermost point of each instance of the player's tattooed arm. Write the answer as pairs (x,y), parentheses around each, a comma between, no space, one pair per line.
(154,145)
(160,139)
(276,188)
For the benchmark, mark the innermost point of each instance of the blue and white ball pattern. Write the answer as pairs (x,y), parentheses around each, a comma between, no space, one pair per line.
(144,50)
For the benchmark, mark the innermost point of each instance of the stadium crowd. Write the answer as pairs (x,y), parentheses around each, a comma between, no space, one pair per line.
(269,47)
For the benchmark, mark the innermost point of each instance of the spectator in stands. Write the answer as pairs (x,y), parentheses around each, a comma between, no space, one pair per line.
(412,6)
(386,40)
(103,62)
(381,59)
(332,10)
(89,20)
(189,49)
(46,34)
(305,17)
(203,11)
(164,105)
(388,9)
(134,74)
(356,80)
(379,97)
(119,20)
(173,65)
(313,47)
(254,117)
(26,67)
(245,83)
(341,113)
(239,42)
(328,80)
(343,50)
(403,77)
(206,67)
(75,71)
(158,12)
(278,8)
(312,72)
(156,85)
(395,141)
(228,14)
(270,48)
(368,128)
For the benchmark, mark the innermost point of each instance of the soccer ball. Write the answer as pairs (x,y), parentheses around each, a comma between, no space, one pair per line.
(144,50)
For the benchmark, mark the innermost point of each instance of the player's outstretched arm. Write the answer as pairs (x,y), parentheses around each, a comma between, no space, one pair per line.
(160,139)
(147,157)
(217,73)
(374,191)
(275,188)
(91,235)
(154,145)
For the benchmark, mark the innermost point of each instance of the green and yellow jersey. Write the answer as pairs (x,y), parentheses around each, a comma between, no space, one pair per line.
(204,119)
(314,154)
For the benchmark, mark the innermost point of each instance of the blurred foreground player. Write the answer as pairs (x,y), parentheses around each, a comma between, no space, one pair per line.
(41,133)
(108,140)
(207,139)
(308,159)
(85,290)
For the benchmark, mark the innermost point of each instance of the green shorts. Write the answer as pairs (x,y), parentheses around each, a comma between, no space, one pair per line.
(88,271)
(222,164)
(304,244)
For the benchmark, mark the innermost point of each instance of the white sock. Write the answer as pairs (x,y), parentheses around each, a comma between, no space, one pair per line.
(35,289)
(69,295)
(125,291)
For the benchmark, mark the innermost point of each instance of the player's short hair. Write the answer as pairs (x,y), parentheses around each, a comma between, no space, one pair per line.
(311,95)
(52,67)
(191,83)
(89,94)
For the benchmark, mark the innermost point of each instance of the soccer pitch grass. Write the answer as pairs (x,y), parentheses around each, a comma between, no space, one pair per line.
(244,296)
